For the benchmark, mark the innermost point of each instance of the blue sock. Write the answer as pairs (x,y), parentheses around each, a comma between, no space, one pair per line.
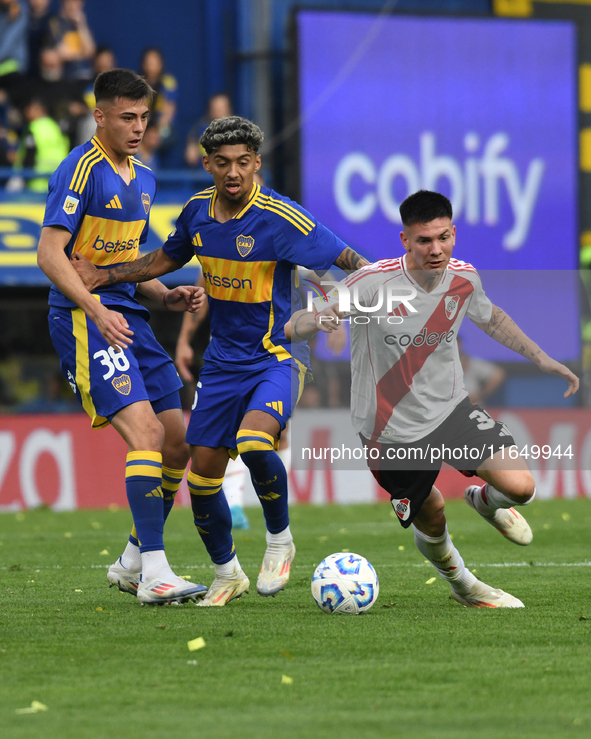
(171,482)
(212,517)
(268,476)
(143,480)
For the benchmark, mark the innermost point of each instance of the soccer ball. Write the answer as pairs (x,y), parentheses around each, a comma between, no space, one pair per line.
(345,583)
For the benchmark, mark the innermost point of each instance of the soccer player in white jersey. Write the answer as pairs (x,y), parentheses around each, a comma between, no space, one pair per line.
(408,401)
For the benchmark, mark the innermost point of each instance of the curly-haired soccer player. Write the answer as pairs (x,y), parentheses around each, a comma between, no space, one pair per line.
(248,239)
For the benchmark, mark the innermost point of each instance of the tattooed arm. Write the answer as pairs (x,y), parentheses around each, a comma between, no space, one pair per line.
(154,264)
(349,261)
(503,329)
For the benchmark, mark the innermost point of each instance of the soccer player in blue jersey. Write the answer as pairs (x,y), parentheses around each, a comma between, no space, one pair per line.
(98,206)
(247,239)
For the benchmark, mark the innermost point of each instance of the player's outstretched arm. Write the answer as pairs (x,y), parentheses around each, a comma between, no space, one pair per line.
(154,264)
(350,261)
(304,324)
(52,259)
(183,298)
(184,354)
(503,329)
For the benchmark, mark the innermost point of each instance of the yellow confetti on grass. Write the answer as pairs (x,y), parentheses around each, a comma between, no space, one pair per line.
(401,548)
(430,580)
(566,517)
(95,525)
(546,526)
(68,534)
(286,680)
(196,644)
(78,591)
(343,531)
(35,707)
(99,608)
(104,553)
(322,539)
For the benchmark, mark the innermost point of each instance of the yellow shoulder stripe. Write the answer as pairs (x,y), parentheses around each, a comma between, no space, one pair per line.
(81,162)
(267,206)
(90,166)
(85,169)
(141,164)
(294,212)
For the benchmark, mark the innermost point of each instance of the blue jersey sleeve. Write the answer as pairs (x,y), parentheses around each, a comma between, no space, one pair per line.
(301,239)
(178,245)
(66,207)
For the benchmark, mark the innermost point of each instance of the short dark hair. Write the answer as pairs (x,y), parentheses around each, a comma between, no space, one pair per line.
(121,83)
(425,206)
(230,131)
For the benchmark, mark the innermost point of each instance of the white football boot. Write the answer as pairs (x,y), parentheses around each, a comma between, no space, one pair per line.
(168,590)
(481,595)
(275,569)
(508,521)
(125,579)
(226,588)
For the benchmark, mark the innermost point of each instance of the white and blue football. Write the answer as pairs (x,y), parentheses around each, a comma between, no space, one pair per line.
(345,583)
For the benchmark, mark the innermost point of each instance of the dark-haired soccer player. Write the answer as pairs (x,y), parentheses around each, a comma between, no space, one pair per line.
(247,238)
(407,396)
(98,206)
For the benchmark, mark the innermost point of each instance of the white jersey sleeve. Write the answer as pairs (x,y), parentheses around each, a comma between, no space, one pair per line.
(479,306)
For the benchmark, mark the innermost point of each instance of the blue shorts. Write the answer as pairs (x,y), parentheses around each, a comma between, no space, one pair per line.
(106,381)
(223,397)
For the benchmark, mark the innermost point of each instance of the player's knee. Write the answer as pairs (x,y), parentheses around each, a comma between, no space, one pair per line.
(175,455)
(151,435)
(431,518)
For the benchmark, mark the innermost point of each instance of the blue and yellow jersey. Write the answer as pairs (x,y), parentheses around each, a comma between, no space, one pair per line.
(107,218)
(247,264)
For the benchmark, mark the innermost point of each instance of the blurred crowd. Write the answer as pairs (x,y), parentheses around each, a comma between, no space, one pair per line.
(48,63)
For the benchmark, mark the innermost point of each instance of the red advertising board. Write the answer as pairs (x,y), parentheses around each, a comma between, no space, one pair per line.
(58,460)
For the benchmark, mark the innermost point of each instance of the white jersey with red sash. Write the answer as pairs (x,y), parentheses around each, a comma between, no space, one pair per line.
(406,372)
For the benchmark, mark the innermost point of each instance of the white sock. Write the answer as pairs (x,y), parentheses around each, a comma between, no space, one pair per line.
(282,538)
(234,482)
(131,558)
(489,499)
(285,456)
(155,564)
(446,559)
(228,568)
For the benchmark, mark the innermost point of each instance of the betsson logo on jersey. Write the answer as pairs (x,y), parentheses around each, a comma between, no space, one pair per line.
(115,246)
(484,170)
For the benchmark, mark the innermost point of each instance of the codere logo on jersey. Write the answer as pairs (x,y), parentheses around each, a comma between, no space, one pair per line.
(122,384)
(432,339)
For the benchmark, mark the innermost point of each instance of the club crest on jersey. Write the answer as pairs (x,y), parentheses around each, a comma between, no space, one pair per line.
(451,306)
(122,384)
(401,508)
(70,205)
(244,245)
(146,202)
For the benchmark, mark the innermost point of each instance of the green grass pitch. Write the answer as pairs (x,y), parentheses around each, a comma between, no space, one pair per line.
(416,665)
